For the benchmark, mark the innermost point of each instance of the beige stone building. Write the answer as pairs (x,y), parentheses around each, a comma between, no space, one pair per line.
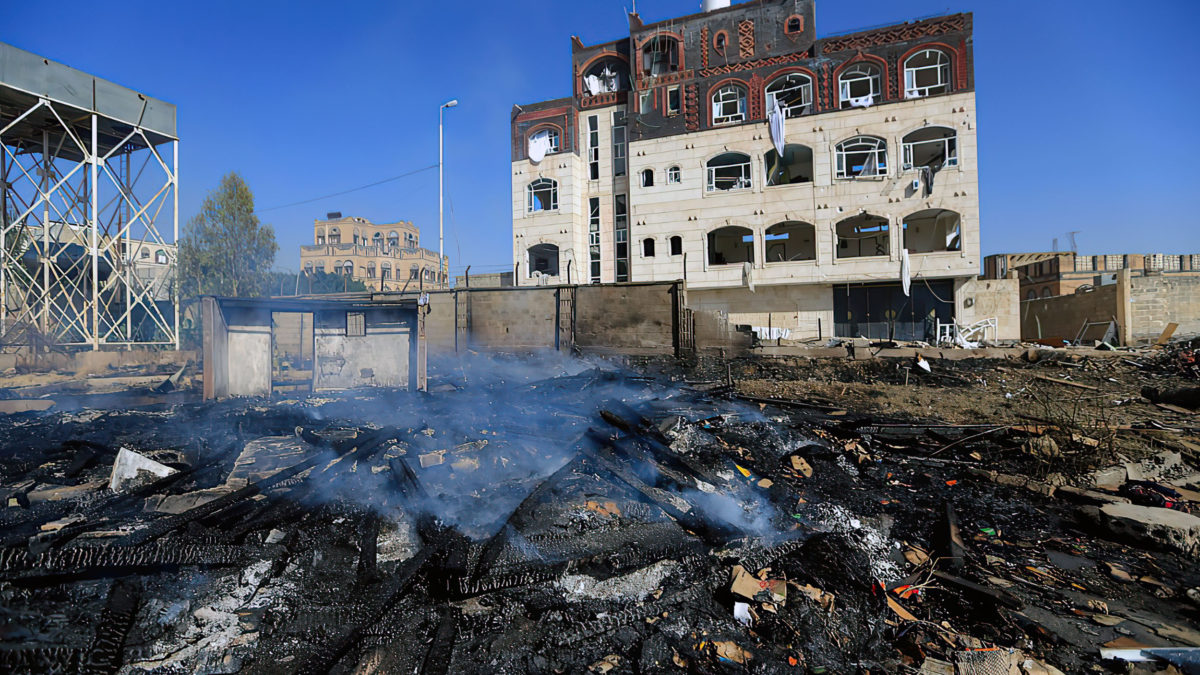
(384,256)
(663,166)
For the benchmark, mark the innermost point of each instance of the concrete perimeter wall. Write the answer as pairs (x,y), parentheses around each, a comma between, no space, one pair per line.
(979,299)
(1155,301)
(1060,317)
(628,318)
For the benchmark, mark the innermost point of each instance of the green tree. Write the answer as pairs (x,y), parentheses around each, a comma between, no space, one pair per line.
(224,249)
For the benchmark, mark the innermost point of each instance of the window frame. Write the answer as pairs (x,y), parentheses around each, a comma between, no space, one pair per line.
(942,67)
(807,88)
(860,71)
(719,100)
(949,150)
(674,175)
(842,151)
(674,102)
(552,132)
(744,182)
(675,249)
(646,177)
(531,191)
(648,247)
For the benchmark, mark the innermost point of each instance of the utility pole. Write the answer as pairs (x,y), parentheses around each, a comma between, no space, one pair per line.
(441,184)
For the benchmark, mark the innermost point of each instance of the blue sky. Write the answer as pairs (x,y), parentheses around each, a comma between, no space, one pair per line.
(1083,105)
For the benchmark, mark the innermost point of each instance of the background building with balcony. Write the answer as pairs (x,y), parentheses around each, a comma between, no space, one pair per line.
(384,256)
(663,165)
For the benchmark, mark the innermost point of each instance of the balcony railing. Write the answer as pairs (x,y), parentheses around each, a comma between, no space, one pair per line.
(402,253)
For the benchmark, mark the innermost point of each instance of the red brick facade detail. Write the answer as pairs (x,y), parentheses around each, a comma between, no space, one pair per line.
(755,104)
(691,108)
(961,66)
(903,33)
(704,47)
(746,39)
(752,65)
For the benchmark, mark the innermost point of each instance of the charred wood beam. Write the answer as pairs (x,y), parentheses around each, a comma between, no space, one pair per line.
(18,564)
(106,653)
(441,648)
(49,660)
(367,548)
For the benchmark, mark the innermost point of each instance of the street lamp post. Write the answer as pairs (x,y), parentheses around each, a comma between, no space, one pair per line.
(441,188)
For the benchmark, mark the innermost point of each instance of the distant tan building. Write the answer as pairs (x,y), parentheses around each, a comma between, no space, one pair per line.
(384,256)
(1047,275)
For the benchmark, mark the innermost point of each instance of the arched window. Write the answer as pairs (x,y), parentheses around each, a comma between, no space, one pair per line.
(795,166)
(660,55)
(145,253)
(547,138)
(1031,295)
(377,240)
(542,195)
(731,245)
(371,270)
(356,238)
(794,25)
(674,176)
(860,85)
(605,76)
(729,171)
(862,157)
(793,91)
(647,177)
(160,257)
(729,104)
(385,270)
(335,236)
(862,236)
(348,268)
(677,245)
(543,258)
(932,147)
(791,241)
(719,41)
(308,267)
(1046,292)
(925,73)
(933,230)
(393,240)
(647,248)
(320,237)
(413,272)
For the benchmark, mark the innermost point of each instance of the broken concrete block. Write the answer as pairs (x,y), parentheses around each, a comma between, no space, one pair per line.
(132,470)
(1113,476)
(1162,528)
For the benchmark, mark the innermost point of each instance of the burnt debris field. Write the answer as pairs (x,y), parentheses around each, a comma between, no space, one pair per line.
(559,516)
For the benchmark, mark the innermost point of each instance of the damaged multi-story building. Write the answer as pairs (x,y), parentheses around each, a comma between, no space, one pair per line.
(384,256)
(793,181)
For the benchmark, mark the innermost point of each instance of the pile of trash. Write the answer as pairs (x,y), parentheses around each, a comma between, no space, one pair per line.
(595,520)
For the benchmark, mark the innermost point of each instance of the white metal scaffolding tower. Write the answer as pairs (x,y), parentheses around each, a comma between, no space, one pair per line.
(89,210)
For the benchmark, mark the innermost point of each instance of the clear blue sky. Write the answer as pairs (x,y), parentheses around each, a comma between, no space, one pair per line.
(1083,104)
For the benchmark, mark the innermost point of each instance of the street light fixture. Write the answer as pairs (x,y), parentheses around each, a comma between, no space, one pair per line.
(441,189)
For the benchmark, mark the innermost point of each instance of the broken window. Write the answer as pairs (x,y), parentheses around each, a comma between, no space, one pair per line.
(729,171)
(791,241)
(925,73)
(356,324)
(543,258)
(731,245)
(862,236)
(795,166)
(647,248)
(719,42)
(370,270)
(674,102)
(621,235)
(320,237)
(646,103)
(594,147)
(660,55)
(594,239)
(862,157)
(348,268)
(933,230)
(674,175)
(542,195)
(145,253)
(377,240)
(606,76)
(385,271)
(618,135)
(677,245)
(729,105)
(932,147)
(794,93)
(859,85)
(335,237)
(647,177)
(547,138)
(794,25)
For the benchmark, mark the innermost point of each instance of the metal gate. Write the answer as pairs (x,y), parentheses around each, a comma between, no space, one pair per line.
(883,312)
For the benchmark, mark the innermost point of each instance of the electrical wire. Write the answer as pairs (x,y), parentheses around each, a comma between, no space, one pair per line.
(346,192)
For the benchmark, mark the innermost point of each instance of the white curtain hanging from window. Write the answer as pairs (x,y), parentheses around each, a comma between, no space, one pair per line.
(905,272)
(539,145)
(777,130)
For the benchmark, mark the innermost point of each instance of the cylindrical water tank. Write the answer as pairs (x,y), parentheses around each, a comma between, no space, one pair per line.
(710,5)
